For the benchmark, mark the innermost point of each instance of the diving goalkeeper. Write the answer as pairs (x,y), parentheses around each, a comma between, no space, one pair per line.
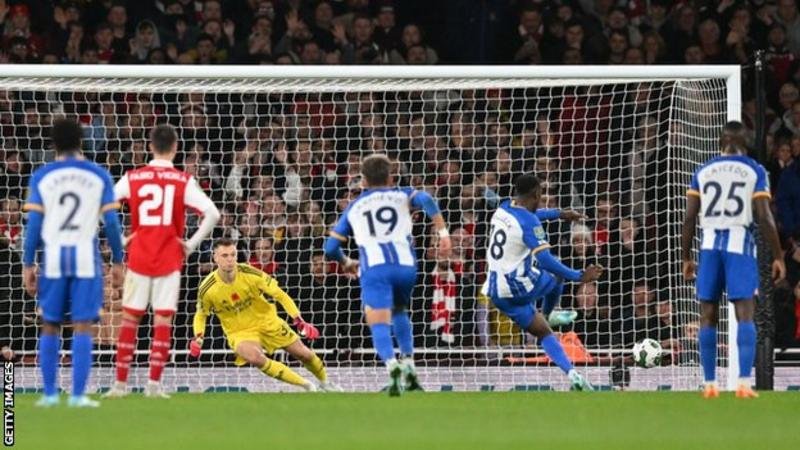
(243,298)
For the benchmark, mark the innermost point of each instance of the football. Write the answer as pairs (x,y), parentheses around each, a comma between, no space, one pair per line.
(647,353)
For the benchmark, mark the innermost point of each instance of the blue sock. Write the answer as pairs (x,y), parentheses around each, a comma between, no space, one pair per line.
(49,345)
(555,351)
(382,340)
(551,299)
(81,362)
(708,352)
(746,341)
(403,332)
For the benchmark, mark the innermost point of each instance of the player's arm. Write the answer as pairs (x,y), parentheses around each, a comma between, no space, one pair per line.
(550,214)
(269,286)
(424,201)
(34,206)
(113,230)
(198,200)
(534,237)
(688,230)
(199,322)
(333,245)
(766,225)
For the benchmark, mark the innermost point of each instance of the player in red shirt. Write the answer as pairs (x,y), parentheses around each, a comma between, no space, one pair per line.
(157,196)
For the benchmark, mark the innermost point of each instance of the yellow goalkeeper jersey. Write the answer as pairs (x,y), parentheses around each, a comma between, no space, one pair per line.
(247,303)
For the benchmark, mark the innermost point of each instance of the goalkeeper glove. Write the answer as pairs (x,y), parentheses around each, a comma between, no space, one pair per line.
(196,346)
(306,329)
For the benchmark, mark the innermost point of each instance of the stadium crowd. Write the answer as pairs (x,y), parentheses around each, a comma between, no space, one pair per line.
(282,167)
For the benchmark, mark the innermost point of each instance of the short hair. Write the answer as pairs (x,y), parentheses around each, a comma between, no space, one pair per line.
(376,169)
(163,137)
(526,185)
(224,242)
(66,135)
(733,135)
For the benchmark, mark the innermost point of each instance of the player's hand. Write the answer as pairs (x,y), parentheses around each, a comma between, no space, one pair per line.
(196,346)
(592,273)
(571,216)
(349,267)
(187,250)
(689,270)
(117,275)
(778,270)
(29,279)
(306,330)
(445,247)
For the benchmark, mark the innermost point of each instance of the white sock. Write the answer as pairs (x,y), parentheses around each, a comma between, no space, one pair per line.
(745,382)
(391,364)
(712,383)
(408,363)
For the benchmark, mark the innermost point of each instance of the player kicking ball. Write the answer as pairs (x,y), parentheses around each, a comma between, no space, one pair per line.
(380,221)
(724,192)
(242,297)
(523,272)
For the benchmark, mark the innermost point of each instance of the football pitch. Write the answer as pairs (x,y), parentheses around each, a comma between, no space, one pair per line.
(481,420)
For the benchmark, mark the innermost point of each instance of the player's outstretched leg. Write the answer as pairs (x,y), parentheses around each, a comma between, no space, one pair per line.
(313,364)
(746,343)
(126,345)
(552,347)
(560,317)
(82,344)
(707,337)
(403,333)
(49,346)
(159,353)
(251,352)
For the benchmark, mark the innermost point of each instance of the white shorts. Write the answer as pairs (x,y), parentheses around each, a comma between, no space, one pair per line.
(160,292)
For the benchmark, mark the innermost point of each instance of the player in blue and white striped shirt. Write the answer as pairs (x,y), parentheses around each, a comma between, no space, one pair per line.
(66,199)
(724,192)
(523,273)
(380,221)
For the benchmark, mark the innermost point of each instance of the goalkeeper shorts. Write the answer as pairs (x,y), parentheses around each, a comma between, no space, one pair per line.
(271,336)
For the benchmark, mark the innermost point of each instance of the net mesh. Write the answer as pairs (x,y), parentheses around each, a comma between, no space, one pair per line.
(280,157)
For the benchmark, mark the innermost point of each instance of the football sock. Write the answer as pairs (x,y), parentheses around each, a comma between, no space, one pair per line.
(49,344)
(551,299)
(126,344)
(746,341)
(382,341)
(281,372)
(81,362)
(708,352)
(159,350)
(401,326)
(316,367)
(555,351)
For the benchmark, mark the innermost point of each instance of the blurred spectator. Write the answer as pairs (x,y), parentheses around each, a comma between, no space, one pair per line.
(787,15)
(788,201)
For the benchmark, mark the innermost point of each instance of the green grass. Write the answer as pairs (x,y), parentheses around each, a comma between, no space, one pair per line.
(486,421)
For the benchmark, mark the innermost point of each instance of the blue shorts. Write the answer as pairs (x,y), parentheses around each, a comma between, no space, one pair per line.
(83,297)
(388,286)
(522,310)
(735,273)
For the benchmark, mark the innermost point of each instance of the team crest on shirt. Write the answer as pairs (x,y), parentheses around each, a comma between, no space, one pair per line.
(539,233)
(235,297)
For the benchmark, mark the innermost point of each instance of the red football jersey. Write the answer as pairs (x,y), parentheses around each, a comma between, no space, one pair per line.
(157,196)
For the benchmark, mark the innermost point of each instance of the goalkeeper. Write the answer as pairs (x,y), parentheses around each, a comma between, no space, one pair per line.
(242,297)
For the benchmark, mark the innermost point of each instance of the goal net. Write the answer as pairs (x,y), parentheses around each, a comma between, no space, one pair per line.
(279,153)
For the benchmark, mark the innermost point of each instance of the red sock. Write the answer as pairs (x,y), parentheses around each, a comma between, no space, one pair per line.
(159,350)
(126,344)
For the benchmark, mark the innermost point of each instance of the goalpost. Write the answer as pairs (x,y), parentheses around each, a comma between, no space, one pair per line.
(277,148)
